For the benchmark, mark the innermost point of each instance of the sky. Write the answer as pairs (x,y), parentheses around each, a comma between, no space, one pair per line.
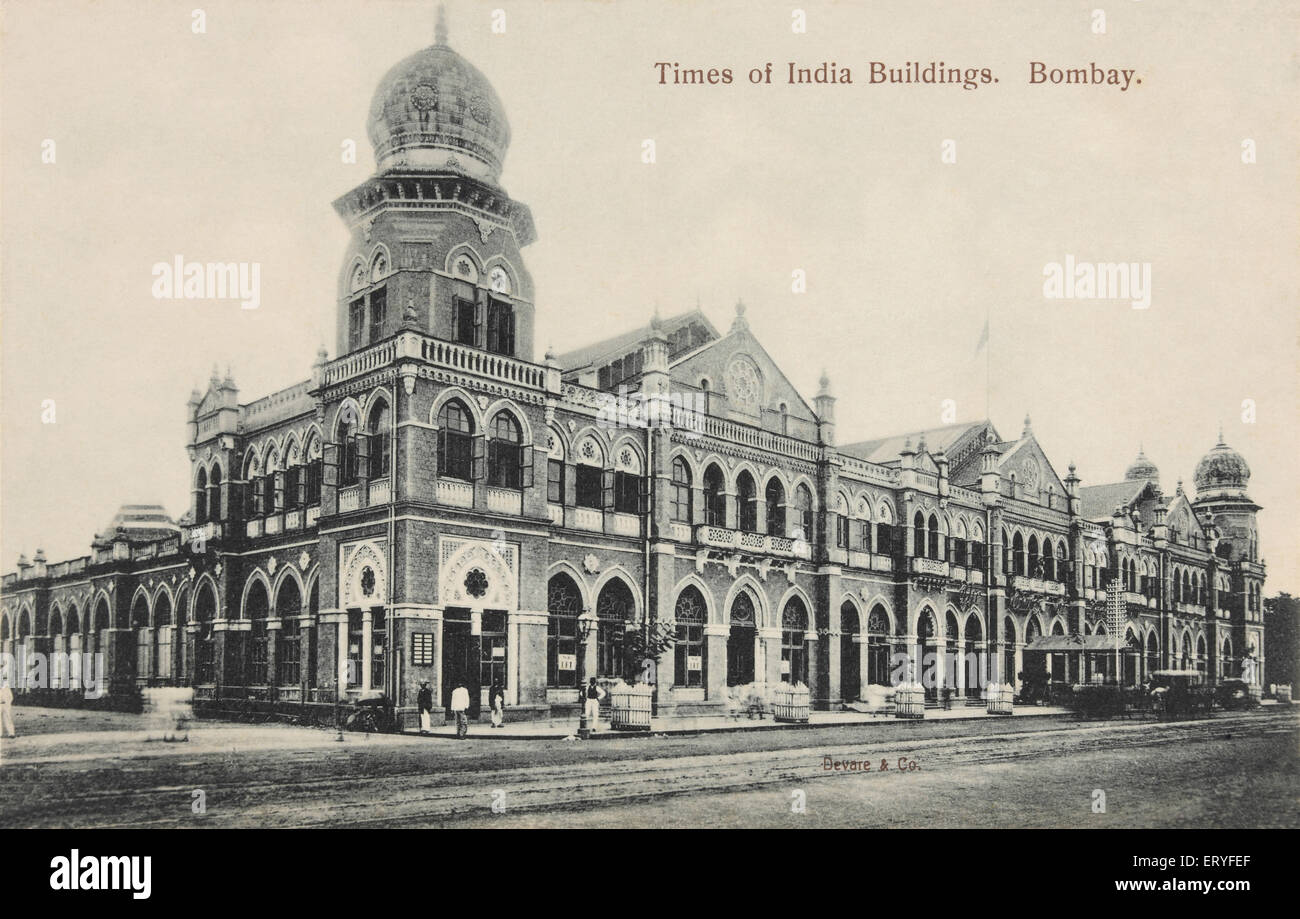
(226,145)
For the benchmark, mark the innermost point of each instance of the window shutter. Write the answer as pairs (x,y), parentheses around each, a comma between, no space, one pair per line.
(526,466)
(479,462)
(607,490)
(643,494)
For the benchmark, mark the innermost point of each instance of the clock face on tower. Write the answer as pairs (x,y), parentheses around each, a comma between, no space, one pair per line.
(498,280)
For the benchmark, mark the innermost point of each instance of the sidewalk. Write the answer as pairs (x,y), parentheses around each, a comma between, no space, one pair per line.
(553,728)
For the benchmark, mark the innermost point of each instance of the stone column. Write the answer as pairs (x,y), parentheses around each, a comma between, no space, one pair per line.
(530,661)
(715,676)
(864,661)
(767,656)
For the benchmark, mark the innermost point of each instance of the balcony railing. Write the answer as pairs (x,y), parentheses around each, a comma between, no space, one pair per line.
(681,532)
(313,514)
(293,519)
(930,566)
(1037,585)
(626,525)
(253,528)
(414,345)
(455,493)
(724,538)
(505,501)
(589,518)
(556,513)
(379,491)
(273,525)
(349,498)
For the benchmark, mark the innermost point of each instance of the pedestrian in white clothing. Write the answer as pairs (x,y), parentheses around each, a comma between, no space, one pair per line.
(591,704)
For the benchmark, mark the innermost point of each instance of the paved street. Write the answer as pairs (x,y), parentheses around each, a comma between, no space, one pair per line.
(83,769)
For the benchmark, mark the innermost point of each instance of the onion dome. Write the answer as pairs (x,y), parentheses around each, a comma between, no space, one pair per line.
(1222,469)
(435,111)
(1141,468)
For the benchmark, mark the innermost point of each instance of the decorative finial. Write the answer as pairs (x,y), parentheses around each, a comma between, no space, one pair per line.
(1180,487)
(740,322)
(230,376)
(440,30)
(216,374)
(1221,432)
(921,445)
(1029,428)
(825,382)
(656,323)
(550,353)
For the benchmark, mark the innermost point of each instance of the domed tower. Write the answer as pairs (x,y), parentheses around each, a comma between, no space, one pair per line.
(1221,478)
(435,238)
(1142,469)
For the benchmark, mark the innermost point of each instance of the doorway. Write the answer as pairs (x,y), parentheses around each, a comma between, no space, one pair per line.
(460,660)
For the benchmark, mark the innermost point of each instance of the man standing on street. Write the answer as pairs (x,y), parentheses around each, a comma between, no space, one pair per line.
(425,702)
(593,694)
(460,705)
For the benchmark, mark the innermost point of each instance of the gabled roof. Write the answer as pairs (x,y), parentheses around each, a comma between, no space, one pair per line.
(950,438)
(1098,502)
(616,346)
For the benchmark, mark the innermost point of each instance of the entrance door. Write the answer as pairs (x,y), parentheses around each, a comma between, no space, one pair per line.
(740,655)
(460,664)
(850,668)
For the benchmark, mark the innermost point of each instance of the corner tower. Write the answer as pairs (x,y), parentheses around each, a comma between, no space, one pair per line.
(436,241)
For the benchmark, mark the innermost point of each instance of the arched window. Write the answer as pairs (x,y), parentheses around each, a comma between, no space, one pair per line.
(1049,561)
(505,452)
(205,611)
(919,542)
(689,648)
(794,653)
(201,497)
(715,497)
(615,610)
(161,665)
(455,441)
(774,495)
(741,638)
(269,501)
(288,607)
(350,468)
(681,495)
(803,507)
(878,647)
(140,624)
(214,504)
(1062,569)
(850,653)
(563,606)
(256,608)
(381,440)
(1034,571)
(1018,555)
(312,472)
(935,550)
(746,503)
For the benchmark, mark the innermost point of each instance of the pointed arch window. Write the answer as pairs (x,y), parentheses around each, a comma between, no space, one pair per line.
(681,495)
(201,498)
(455,441)
(804,510)
(381,440)
(563,606)
(715,497)
(746,503)
(689,648)
(505,452)
(350,468)
(774,495)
